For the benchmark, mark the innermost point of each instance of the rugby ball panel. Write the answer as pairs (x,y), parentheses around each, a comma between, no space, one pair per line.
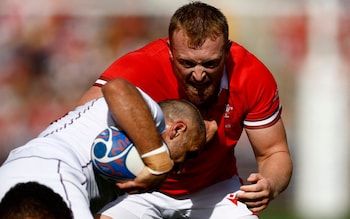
(114,156)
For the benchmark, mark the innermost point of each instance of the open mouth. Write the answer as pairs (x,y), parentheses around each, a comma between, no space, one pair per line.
(199,86)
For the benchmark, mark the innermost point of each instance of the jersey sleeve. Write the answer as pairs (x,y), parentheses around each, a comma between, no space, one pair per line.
(255,88)
(264,108)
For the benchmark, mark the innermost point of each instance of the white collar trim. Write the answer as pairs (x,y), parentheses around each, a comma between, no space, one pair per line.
(224,81)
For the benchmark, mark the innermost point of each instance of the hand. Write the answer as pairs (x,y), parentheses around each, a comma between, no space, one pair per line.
(258,194)
(211,129)
(144,182)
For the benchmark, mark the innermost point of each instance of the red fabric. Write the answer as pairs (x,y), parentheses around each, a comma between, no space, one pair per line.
(252,98)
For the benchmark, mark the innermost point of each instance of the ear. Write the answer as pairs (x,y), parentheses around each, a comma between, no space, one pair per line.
(177,128)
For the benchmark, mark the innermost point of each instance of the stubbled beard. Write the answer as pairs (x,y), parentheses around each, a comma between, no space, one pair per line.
(204,98)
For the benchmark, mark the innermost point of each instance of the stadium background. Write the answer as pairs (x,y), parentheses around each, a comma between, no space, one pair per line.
(51,51)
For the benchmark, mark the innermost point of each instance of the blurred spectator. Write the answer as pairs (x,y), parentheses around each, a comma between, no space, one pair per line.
(48,61)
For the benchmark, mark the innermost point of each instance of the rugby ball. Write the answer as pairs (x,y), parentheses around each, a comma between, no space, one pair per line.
(114,156)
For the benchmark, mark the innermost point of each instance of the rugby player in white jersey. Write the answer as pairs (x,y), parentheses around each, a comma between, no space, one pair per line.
(60,156)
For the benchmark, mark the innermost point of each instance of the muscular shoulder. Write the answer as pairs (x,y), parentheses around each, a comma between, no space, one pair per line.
(252,86)
(152,52)
(246,66)
(245,71)
(141,62)
(148,68)
(155,48)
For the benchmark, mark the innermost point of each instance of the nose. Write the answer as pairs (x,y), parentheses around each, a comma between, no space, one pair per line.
(198,73)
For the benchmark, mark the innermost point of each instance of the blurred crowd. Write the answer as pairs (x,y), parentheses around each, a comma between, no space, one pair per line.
(47,62)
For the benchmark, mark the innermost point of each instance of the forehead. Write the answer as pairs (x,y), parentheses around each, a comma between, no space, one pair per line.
(211,48)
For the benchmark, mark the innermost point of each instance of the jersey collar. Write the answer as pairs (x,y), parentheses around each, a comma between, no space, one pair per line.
(224,81)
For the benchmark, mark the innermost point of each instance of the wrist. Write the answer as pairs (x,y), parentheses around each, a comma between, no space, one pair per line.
(158,160)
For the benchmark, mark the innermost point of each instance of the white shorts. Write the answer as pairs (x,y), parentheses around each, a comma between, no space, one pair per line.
(215,202)
(65,180)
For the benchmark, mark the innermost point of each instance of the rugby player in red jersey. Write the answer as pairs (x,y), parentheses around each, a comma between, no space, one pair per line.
(234,92)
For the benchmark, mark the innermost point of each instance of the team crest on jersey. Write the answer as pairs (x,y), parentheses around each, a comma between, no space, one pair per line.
(227,114)
(228,109)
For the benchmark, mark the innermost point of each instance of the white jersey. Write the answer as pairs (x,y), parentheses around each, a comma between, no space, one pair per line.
(75,132)
(69,141)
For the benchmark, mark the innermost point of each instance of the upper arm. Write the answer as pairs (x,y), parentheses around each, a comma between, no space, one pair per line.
(268,141)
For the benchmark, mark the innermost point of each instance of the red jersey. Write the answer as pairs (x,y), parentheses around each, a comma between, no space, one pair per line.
(248,99)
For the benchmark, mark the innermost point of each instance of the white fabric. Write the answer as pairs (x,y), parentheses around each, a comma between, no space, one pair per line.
(215,202)
(60,156)
(64,179)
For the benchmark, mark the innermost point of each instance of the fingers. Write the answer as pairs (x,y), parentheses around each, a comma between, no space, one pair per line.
(126,185)
(258,183)
(255,200)
(134,189)
(144,182)
(257,205)
(254,177)
(256,195)
(130,187)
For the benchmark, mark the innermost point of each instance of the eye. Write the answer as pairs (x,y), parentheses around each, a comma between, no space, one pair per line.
(211,64)
(187,63)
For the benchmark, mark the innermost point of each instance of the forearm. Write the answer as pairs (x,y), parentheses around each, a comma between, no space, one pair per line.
(132,114)
(277,169)
(272,155)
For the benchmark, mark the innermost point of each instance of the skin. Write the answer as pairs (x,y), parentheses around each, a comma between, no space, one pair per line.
(139,118)
(200,71)
(271,152)
(181,146)
(176,137)
(200,79)
(96,92)
(122,98)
